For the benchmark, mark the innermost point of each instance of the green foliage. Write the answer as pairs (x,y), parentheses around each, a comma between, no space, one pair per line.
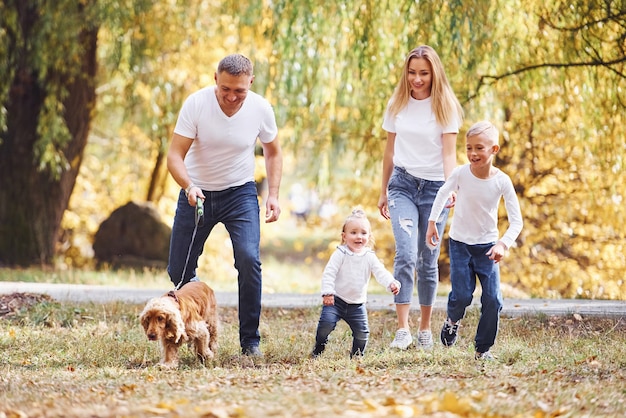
(550,74)
(562,146)
(33,44)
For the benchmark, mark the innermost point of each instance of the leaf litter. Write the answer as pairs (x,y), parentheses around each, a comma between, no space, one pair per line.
(547,367)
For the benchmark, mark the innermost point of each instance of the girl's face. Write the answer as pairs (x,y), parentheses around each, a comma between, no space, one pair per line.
(480,150)
(420,77)
(356,235)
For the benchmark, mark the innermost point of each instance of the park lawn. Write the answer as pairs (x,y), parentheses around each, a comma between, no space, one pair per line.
(93,360)
(292,263)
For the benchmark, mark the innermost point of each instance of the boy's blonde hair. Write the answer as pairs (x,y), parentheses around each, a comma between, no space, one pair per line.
(358,214)
(486,128)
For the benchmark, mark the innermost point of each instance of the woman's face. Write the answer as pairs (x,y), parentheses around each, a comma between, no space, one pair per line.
(420,77)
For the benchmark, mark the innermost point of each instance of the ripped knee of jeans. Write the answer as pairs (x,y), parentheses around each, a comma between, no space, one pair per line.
(406,224)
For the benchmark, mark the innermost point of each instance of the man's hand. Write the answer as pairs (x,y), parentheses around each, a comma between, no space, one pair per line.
(272,210)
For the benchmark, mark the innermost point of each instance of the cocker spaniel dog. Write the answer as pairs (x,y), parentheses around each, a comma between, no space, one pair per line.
(185,315)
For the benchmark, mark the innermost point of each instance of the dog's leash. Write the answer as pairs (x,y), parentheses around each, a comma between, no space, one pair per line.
(199,221)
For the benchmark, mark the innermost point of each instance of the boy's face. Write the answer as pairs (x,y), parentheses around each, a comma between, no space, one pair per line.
(480,150)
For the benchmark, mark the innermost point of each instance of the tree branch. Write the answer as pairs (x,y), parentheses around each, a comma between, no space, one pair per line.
(585,25)
(486,80)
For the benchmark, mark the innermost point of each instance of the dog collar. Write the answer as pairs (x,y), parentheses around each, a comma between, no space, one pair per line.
(172,294)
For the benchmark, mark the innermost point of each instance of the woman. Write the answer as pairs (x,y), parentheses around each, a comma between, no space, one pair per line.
(422,121)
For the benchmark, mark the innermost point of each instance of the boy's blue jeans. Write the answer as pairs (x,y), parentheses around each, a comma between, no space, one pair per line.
(356,317)
(410,200)
(238,209)
(466,263)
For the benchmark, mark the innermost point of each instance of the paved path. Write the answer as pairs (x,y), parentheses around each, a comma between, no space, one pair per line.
(512,307)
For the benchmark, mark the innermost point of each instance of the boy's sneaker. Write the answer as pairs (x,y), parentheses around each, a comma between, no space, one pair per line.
(449,332)
(402,340)
(252,351)
(486,356)
(317,351)
(425,339)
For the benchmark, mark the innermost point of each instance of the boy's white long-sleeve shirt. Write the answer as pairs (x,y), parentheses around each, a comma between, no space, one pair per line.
(347,274)
(475,218)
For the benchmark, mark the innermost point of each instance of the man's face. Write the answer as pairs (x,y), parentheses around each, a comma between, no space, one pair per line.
(232,90)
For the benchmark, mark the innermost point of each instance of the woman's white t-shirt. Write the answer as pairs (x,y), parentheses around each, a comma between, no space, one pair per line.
(418,146)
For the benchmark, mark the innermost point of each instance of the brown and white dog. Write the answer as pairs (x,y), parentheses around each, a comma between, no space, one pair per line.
(185,315)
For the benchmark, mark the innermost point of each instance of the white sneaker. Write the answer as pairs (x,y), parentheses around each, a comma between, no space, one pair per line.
(425,340)
(402,340)
(487,356)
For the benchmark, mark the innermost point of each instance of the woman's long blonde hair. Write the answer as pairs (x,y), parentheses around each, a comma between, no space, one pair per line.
(444,102)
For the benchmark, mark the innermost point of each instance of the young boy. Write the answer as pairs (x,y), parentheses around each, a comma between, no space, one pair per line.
(475,249)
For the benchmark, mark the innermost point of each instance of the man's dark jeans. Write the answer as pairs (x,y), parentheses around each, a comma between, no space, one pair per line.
(238,209)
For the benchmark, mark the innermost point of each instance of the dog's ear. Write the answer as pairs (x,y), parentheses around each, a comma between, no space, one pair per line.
(144,318)
(174,325)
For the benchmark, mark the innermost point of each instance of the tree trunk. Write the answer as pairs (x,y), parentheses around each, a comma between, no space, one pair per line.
(32,199)
(158,177)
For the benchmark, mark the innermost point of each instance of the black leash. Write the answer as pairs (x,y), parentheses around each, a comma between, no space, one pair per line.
(199,221)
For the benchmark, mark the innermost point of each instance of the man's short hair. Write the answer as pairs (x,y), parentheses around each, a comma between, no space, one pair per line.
(235,64)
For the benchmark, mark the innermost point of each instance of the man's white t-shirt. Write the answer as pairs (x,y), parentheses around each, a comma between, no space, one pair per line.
(475,218)
(418,146)
(222,152)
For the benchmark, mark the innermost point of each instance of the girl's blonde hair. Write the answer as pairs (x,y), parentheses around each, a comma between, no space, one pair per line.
(358,214)
(445,104)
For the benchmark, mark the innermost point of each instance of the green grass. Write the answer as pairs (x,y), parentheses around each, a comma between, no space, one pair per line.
(84,360)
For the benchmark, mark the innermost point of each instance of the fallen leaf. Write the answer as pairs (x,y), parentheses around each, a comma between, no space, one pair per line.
(128,388)
(166,405)
(156,411)
(16,413)
(404,411)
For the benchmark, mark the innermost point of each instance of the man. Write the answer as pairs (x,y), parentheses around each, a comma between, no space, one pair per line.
(212,158)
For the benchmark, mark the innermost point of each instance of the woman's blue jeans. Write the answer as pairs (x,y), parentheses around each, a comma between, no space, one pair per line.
(410,200)
(238,209)
(466,263)
(356,317)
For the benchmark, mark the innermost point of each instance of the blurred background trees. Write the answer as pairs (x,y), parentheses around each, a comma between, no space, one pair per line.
(551,75)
